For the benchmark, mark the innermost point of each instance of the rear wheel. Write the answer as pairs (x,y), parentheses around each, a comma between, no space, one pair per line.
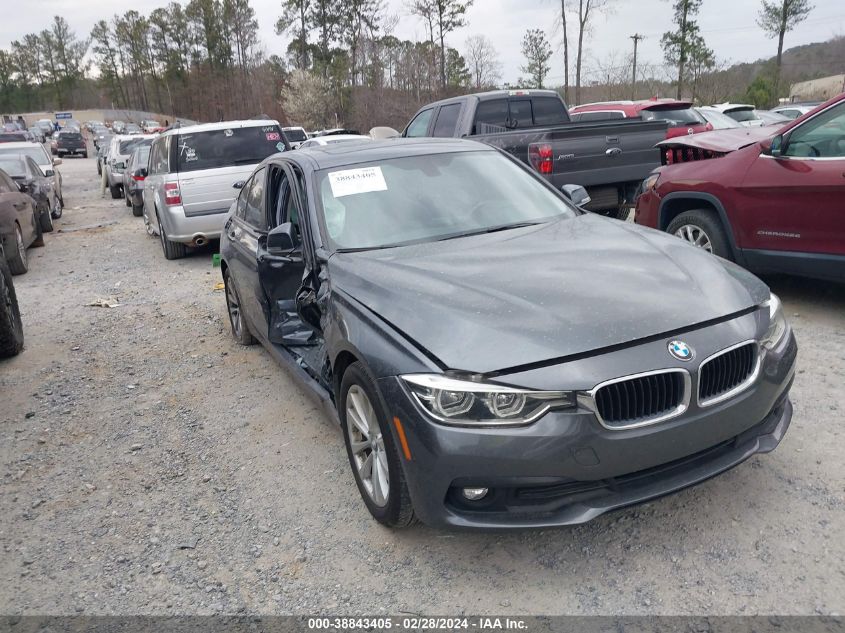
(702,228)
(137,210)
(373,454)
(172,250)
(240,330)
(115,191)
(17,259)
(11,327)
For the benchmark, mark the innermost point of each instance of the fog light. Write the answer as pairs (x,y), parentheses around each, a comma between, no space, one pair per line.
(474,494)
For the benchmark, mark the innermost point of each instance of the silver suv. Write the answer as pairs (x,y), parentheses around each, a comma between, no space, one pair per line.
(120,151)
(192,177)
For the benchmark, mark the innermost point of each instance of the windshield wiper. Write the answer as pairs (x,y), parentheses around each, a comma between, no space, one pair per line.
(492,229)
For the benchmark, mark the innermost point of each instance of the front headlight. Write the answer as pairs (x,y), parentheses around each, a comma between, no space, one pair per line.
(777,323)
(466,403)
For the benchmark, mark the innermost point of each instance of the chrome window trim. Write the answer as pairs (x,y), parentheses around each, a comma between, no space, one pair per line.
(588,399)
(752,377)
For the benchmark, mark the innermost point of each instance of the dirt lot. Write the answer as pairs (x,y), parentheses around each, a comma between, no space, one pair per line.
(149,465)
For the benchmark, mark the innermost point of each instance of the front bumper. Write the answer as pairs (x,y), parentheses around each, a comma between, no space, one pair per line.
(567,469)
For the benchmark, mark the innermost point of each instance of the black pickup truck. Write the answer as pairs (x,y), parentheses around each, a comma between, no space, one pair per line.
(609,158)
(71,142)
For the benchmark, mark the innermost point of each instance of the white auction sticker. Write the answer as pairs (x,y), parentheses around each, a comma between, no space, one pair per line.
(352,181)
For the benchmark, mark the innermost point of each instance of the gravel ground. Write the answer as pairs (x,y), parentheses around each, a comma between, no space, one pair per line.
(151,466)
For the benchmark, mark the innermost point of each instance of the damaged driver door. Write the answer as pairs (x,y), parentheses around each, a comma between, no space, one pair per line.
(281,264)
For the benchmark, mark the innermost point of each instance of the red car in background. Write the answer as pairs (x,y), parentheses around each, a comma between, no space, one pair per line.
(682,117)
(770,199)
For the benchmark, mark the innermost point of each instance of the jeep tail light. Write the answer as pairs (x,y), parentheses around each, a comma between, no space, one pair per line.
(172,195)
(541,157)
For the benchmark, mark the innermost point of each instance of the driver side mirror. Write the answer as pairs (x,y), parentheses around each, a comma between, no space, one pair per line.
(49,173)
(776,146)
(577,194)
(281,240)
(239,185)
(57,161)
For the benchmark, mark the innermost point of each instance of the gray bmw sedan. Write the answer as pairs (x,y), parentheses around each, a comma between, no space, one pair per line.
(495,356)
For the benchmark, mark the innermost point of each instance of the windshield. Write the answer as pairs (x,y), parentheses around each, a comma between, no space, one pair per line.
(429,198)
(36,153)
(13,166)
(675,116)
(742,115)
(228,147)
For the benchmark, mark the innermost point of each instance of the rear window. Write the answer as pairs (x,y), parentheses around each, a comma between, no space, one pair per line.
(70,136)
(742,115)
(35,152)
(549,111)
(296,135)
(228,147)
(676,117)
(126,147)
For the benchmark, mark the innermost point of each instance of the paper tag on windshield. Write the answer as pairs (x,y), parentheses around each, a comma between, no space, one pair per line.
(352,181)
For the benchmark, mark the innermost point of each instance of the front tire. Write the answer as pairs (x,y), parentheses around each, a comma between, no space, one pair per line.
(702,228)
(137,210)
(58,206)
(240,329)
(372,451)
(11,327)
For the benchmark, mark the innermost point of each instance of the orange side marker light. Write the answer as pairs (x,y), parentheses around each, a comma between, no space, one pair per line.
(402,439)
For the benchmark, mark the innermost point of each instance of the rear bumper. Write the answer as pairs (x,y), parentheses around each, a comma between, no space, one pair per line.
(180,228)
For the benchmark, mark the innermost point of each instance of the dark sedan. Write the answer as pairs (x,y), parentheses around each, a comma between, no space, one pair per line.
(496,357)
(11,327)
(32,181)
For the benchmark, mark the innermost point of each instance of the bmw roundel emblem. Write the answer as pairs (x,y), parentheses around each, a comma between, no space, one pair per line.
(681,350)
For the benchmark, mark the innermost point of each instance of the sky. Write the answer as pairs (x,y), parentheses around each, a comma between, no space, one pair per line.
(728,26)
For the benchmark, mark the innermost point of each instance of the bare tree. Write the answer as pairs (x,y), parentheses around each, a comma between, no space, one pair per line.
(483,61)
(586,10)
(779,17)
(444,15)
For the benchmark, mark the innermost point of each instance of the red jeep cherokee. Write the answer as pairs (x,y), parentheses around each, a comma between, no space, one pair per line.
(683,119)
(770,199)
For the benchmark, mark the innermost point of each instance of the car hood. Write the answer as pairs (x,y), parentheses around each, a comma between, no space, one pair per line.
(722,141)
(497,301)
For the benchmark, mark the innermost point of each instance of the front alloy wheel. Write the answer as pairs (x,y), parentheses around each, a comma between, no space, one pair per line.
(696,236)
(374,455)
(240,331)
(366,444)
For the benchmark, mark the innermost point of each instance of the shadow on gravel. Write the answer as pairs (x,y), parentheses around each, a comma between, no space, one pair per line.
(824,293)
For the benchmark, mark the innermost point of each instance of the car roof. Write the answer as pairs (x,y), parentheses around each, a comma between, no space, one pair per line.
(340,154)
(21,145)
(336,138)
(220,125)
(641,104)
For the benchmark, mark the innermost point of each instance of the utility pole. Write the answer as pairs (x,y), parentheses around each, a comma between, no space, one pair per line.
(636,37)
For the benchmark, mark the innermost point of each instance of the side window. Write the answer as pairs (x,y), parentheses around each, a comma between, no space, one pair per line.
(447,121)
(240,209)
(823,136)
(419,126)
(548,111)
(520,113)
(491,116)
(254,208)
